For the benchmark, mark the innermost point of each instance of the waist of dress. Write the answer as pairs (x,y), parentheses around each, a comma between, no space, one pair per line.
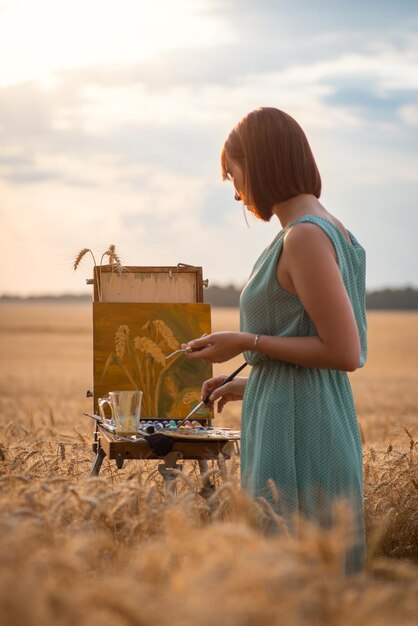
(272,368)
(255,359)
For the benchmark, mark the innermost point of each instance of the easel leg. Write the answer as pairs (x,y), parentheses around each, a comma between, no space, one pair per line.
(169,470)
(97,463)
(208,488)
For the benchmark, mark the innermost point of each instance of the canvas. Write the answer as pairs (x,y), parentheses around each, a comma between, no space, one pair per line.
(130,342)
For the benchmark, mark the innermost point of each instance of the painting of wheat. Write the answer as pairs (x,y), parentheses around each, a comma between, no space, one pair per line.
(131,344)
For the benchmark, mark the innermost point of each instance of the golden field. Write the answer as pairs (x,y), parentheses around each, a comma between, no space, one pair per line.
(119,550)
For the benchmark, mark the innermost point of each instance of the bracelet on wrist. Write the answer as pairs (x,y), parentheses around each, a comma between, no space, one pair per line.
(256,340)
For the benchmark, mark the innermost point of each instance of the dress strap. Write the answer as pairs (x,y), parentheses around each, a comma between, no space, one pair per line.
(321,221)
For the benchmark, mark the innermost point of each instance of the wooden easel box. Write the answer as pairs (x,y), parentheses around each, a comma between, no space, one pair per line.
(134,297)
(166,284)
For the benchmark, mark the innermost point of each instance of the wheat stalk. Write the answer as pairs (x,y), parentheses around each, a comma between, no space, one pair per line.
(113,258)
(81,255)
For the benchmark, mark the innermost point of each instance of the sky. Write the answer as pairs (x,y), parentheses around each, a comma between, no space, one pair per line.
(113,115)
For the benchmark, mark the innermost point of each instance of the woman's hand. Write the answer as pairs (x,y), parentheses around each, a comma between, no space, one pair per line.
(218,347)
(234,390)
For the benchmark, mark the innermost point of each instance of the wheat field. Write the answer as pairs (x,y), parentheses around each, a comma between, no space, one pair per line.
(120,550)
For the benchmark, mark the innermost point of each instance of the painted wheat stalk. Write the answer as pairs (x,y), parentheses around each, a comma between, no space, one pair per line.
(162,335)
(171,386)
(142,359)
(149,347)
(191,396)
(166,335)
(124,347)
(121,339)
(154,363)
(179,398)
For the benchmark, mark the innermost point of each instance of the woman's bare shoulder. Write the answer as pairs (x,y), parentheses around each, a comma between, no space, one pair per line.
(306,238)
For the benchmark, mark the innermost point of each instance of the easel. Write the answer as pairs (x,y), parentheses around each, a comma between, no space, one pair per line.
(119,300)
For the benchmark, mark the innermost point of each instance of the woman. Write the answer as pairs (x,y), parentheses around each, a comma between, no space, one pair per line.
(303,326)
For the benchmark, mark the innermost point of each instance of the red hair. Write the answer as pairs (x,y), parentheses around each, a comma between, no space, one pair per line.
(275,157)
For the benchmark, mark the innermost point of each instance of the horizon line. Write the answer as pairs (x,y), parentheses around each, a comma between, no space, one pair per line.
(231,286)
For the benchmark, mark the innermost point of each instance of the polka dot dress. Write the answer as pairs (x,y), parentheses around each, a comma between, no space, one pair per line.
(299,426)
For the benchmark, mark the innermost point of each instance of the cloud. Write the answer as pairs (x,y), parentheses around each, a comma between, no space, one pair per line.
(127,151)
(44,36)
(81,109)
(409,114)
(324,15)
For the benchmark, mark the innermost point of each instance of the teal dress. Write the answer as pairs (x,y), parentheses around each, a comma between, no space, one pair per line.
(299,427)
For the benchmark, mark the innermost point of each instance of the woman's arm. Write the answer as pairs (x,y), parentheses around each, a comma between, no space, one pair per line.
(317,280)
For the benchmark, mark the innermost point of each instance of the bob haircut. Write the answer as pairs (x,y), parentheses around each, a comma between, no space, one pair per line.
(275,157)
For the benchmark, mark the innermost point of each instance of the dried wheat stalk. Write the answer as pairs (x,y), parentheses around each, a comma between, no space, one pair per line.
(81,255)
(114,258)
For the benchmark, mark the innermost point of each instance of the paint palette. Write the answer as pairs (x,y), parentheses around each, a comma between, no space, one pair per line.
(185,429)
(209,434)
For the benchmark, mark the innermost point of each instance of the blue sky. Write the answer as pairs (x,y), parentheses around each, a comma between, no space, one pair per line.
(111,125)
